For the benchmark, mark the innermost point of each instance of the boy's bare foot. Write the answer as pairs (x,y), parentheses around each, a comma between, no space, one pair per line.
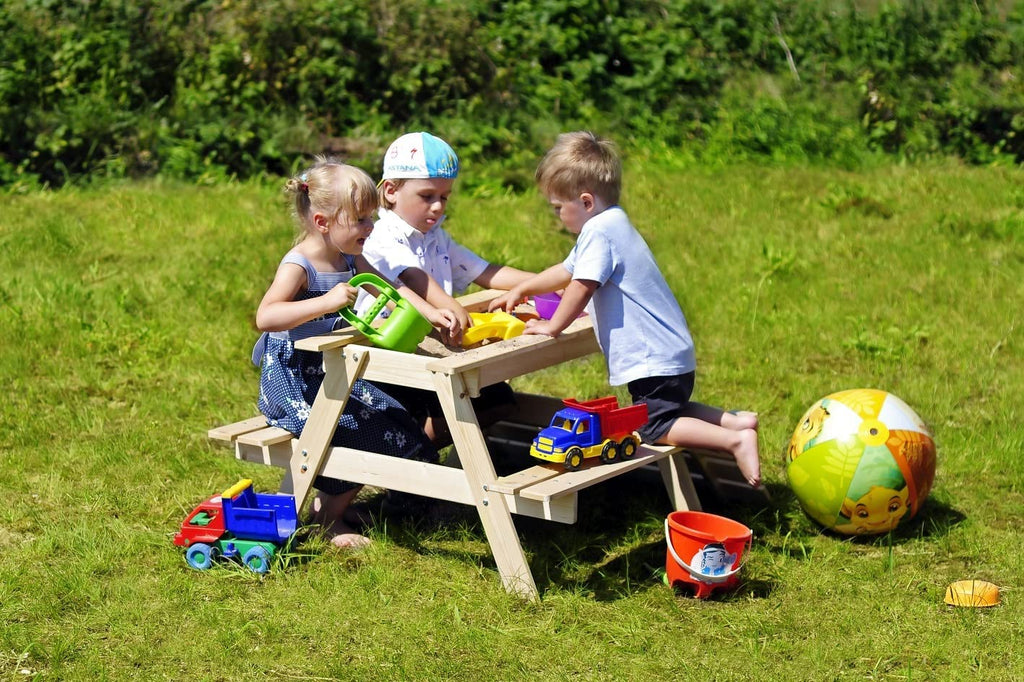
(747,458)
(740,420)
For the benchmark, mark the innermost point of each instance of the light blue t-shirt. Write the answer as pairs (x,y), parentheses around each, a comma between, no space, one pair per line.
(639,325)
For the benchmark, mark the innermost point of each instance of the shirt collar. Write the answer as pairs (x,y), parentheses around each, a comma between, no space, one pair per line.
(394,221)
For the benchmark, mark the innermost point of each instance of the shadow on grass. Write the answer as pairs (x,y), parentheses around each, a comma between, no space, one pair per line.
(934,520)
(617,548)
(785,529)
(306,545)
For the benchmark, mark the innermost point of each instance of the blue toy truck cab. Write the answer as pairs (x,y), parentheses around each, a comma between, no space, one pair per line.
(573,427)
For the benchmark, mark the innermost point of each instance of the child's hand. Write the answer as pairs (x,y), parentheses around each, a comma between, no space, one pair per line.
(340,296)
(465,321)
(449,325)
(543,327)
(506,302)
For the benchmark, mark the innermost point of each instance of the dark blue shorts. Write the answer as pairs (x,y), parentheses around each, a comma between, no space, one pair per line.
(665,398)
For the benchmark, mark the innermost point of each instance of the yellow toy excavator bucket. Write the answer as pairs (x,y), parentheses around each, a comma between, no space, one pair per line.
(975,593)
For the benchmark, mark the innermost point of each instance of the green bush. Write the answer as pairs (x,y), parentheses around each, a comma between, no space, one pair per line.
(206,89)
(767,127)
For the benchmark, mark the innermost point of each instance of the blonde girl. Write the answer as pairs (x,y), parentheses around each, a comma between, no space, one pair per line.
(334,205)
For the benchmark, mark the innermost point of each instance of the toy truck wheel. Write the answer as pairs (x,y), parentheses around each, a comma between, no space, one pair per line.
(257,559)
(199,556)
(628,446)
(610,452)
(573,459)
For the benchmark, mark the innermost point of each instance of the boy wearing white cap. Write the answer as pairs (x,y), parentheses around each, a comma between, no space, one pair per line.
(408,245)
(408,240)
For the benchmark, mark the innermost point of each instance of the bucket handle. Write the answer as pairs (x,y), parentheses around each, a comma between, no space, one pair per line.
(701,577)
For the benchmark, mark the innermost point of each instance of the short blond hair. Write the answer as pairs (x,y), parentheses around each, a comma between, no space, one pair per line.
(581,162)
(332,188)
(396,184)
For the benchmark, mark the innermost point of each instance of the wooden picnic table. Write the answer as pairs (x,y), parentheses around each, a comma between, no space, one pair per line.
(546,491)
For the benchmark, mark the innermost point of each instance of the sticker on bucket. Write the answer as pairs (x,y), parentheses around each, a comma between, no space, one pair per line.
(714,547)
(713,562)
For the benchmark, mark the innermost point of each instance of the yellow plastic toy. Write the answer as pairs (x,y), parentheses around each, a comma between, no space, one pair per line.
(487,326)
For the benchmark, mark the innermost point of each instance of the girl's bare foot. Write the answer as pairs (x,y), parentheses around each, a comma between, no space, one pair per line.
(350,541)
(344,537)
(329,513)
(747,458)
(357,516)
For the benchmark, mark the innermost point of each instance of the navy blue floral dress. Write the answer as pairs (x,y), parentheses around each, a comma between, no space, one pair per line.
(290,379)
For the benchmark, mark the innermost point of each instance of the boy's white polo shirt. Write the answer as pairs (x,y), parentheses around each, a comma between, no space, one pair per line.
(395,245)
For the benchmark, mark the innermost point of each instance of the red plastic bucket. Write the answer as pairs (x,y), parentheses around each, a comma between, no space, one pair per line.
(705,551)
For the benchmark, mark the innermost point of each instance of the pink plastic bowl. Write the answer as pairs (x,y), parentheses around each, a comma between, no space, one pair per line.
(546,305)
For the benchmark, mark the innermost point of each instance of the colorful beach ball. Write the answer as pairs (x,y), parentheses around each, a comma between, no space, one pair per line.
(861,461)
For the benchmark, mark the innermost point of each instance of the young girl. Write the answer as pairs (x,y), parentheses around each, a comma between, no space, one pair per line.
(334,204)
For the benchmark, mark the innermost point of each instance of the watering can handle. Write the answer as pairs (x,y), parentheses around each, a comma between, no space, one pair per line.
(387,294)
(699,576)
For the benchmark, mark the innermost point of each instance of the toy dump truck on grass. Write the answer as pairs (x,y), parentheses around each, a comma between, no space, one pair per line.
(595,428)
(238,523)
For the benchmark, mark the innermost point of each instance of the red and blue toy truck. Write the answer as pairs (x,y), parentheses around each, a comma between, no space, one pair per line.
(596,428)
(238,523)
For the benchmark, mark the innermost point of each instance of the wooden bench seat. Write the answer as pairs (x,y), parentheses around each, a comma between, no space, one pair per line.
(543,490)
(254,441)
(544,482)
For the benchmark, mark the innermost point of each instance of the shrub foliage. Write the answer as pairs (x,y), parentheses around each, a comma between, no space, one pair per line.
(214,88)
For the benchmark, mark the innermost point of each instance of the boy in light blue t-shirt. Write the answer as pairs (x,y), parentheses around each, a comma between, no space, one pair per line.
(641,329)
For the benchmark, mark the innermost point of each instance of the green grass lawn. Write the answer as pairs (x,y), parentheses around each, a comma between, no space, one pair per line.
(125,330)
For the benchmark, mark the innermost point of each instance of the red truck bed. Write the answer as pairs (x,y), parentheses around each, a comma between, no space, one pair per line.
(615,420)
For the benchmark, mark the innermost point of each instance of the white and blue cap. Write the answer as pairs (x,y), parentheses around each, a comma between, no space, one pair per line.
(420,155)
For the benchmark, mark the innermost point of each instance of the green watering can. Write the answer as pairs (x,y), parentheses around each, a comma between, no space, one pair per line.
(402,330)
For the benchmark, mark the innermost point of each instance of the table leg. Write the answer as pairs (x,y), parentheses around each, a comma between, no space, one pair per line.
(678,482)
(342,366)
(492,506)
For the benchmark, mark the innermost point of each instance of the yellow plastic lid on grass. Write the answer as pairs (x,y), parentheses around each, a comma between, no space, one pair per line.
(975,593)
